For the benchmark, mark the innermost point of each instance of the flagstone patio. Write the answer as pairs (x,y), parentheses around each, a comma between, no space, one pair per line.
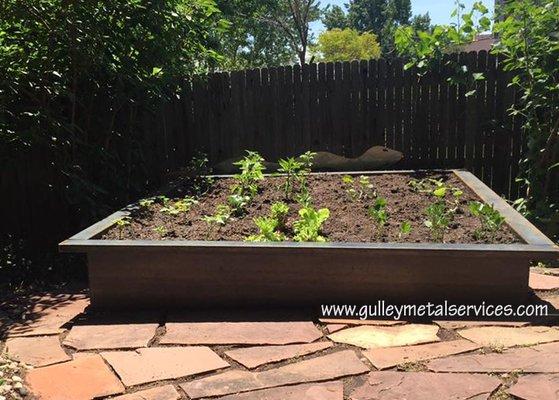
(71,353)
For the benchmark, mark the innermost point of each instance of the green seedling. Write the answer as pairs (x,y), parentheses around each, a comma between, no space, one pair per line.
(304,197)
(221,216)
(490,219)
(308,227)
(366,188)
(238,203)
(347,182)
(438,219)
(252,167)
(160,230)
(146,203)
(279,211)
(405,229)
(306,160)
(292,169)
(267,231)
(121,224)
(179,206)
(379,215)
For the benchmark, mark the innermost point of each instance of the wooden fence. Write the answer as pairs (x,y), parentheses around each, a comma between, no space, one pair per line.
(344,108)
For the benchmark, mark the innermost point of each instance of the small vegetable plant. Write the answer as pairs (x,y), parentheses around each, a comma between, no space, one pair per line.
(405,229)
(279,211)
(219,218)
(491,220)
(364,187)
(267,231)
(238,203)
(379,215)
(160,230)
(438,219)
(292,169)
(308,227)
(120,224)
(252,167)
(179,206)
(306,160)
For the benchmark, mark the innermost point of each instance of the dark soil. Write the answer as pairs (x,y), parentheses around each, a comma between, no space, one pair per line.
(348,220)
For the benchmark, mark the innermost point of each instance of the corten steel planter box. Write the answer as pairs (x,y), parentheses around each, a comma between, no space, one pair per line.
(178,274)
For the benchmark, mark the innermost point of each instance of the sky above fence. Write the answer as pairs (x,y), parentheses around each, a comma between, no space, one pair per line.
(439,10)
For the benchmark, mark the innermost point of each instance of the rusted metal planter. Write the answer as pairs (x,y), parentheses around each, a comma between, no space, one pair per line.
(177,274)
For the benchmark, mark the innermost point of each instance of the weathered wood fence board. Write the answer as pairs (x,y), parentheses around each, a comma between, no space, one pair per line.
(342,107)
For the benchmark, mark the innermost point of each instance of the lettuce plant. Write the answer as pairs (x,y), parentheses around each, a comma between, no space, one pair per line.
(267,231)
(308,227)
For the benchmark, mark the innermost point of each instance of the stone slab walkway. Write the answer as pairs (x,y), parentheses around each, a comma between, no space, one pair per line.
(71,355)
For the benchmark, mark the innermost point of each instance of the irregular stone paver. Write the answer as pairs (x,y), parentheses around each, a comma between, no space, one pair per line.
(391,385)
(451,325)
(167,392)
(508,337)
(253,357)
(82,379)
(37,351)
(331,328)
(543,358)
(386,336)
(160,363)
(43,320)
(543,282)
(240,333)
(328,367)
(388,357)
(310,391)
(387,322)
(98,337)
(536,387)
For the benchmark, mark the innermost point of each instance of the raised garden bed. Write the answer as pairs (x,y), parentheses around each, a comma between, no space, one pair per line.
(379,242)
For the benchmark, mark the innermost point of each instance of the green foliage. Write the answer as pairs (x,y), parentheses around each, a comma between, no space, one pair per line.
(377,212)
(427,48)
(529,47)
(304,197)
(178,207)
(252,167)
(238,203)
(221,216)
(438,219)
(160,230)
(490,219)
(308,227)
(405,229)
(122,223)
(291,168)
(334,17)
(267,231)
(346,45)
(364,187)
(279,211)
(146,203)
(78,80)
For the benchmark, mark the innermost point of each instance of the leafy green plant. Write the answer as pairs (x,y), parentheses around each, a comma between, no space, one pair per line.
(252,167)
(160,230)
(121,223)
(304,197)
(379,215)
(267,231)
(306,159)
(491,220)
(308,227)
(279,211)
(364,187)
(405,229)
(438,219)
(238,203)
(179,206)
(347,183)
(291,168)
(146,203)
(220,217)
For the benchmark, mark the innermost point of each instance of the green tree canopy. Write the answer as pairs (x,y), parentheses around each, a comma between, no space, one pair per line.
(345,45)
